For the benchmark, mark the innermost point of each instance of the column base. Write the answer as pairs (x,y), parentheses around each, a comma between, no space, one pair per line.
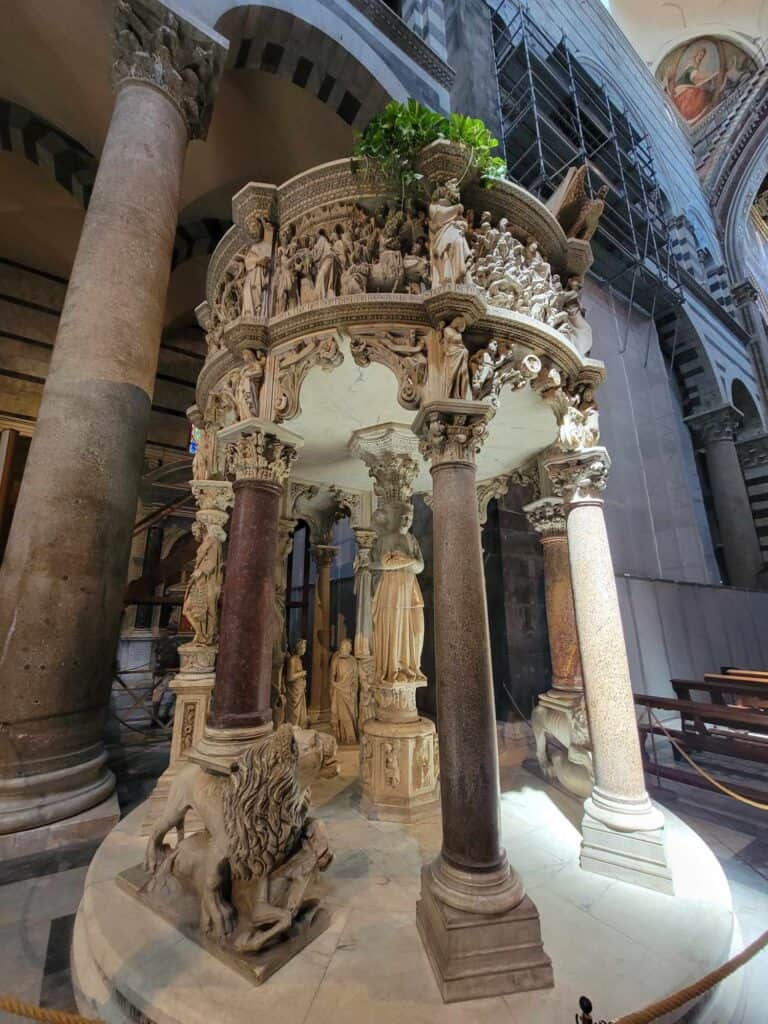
(637,857)
(399,770)
(218,749)
(560,717)
(477,955)
(85,827)
(32,801)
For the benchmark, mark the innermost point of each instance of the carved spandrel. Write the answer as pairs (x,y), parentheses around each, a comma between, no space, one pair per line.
(293,365)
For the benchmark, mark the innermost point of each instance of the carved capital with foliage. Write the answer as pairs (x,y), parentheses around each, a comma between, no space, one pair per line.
(452,430)
(260,456)
(580,477)
(546,517)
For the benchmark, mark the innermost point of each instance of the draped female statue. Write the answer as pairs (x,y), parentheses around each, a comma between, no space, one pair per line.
(447,229)
(201,600)
(296,687)
(398,607)
(344,687)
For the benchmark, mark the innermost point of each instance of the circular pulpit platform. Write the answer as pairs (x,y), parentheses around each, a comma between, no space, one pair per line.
(621,945)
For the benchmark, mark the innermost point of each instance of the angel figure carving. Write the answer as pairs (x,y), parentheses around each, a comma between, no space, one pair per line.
(259,853)
(398,607)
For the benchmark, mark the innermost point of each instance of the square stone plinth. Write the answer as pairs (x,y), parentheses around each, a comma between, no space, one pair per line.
(474,956)
(636,857)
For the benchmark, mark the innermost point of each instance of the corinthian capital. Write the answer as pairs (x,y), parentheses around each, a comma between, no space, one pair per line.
(451,430)
(156,46)
(579,477)
(258,450)
(721,424)
(547,517)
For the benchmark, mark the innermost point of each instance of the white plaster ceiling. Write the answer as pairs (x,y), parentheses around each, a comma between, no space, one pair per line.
(335,403)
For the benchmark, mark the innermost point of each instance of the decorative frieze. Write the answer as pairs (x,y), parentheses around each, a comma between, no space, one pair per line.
(156,46)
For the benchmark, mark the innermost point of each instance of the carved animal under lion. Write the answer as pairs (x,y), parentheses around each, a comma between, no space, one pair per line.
(259,853)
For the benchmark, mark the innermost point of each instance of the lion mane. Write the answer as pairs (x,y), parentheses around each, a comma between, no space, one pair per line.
(264,811)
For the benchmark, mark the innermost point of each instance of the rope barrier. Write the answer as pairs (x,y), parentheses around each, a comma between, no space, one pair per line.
(698,988)
(702,772)
(31,1012)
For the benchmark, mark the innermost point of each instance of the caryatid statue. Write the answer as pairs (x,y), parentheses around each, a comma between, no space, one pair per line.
(344,689)
(201,600)
(296,687)
(398,607)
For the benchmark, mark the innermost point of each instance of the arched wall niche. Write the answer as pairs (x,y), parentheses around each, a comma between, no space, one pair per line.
(702,72)
(743,400)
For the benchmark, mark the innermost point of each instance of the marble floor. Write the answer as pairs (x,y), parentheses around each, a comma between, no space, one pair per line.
(39,896)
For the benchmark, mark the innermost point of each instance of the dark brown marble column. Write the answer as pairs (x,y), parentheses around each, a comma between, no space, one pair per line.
(63,576)
(240,709)
(480,930)
(320,687)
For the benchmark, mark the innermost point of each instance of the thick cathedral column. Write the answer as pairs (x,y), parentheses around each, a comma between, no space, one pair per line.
(560,712)
(716,430)
(623,833)
(259,455)
(320,686)
(62,580)
(480,930)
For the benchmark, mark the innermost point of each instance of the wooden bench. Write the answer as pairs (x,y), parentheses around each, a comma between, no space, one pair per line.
(700,724)
(720,687)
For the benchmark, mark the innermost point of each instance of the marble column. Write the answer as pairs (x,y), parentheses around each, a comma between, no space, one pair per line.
(286,526)
(622,831)
(715,430)
(63,576)
(399,765)
(480,930)
(560,713)
(8,440)
(320,687)
(259,457)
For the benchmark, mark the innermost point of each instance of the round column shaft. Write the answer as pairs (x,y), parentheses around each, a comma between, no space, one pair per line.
(716,431)
(259,455)
(619,803)
(63,576)
(320,688)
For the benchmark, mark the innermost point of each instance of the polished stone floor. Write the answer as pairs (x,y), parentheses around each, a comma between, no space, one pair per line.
(39,896)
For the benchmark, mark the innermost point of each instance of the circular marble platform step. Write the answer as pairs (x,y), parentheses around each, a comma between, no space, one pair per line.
(620,945)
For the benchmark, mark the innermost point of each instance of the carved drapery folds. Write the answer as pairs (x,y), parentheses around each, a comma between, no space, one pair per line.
(499,365)
(201,598)
(154,45)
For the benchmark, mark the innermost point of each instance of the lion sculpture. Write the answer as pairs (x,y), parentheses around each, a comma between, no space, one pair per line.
(569,760)
(259,851)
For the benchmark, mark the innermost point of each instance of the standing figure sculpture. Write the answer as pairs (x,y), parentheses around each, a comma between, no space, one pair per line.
(249,384)
(296,687)
(257,265)
(398,607)
(201,600)
(449,249)
(344,687)
(448,361)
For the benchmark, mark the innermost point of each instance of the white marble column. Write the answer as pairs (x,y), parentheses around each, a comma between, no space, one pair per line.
(623,833)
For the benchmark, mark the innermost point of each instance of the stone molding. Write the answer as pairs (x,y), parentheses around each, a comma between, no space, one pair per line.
(388,451)
(712,425)
(487,490)
(324,555)
(753,453)
(395,29)
(452,431)
(580,477)
(154,45)
(547,517)
(744,293)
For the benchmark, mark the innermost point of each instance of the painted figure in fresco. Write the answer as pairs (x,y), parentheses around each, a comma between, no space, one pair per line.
(398,607)
(694,90)
(344,687)
(296,687)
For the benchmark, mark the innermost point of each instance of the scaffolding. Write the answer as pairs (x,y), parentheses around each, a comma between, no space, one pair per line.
(557,114)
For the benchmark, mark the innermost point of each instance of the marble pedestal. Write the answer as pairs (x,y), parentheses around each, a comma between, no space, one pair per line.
(193,688)
(636,857)
(560,729)
(87,826)
(399,770)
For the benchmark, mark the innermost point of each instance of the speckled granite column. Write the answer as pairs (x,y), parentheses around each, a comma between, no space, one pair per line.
(716,430)
(259,456)
(63,577)
(479,928)
(320,687)
(622,830)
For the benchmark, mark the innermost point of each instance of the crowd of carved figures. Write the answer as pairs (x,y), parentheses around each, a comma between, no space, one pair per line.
(345,249)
